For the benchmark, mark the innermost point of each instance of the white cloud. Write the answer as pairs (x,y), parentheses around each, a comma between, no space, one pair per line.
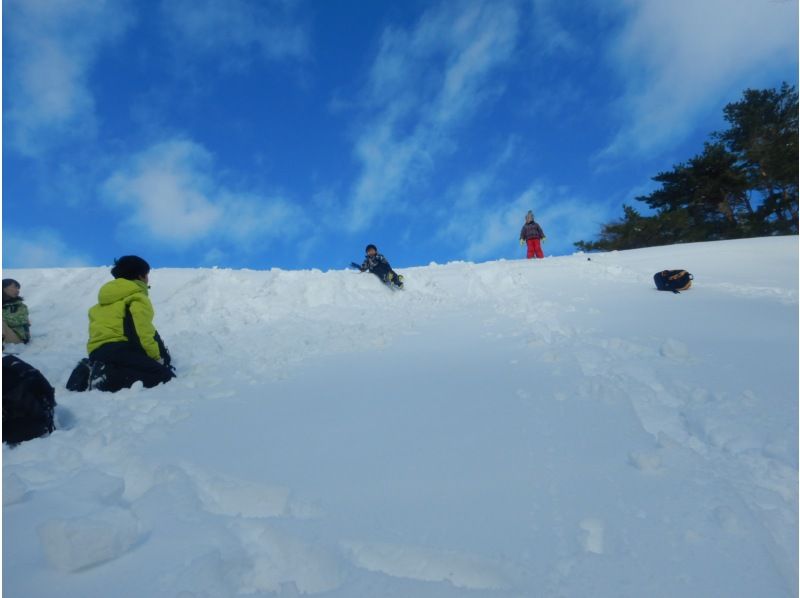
(565,218)
(550,35)
(682,61)
(168,192)
(39,248)
(496,226)
(52,45)
(486,221)
(422,85)
(217,27)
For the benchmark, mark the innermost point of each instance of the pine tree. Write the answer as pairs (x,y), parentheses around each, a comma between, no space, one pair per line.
(711,196)
(763,134)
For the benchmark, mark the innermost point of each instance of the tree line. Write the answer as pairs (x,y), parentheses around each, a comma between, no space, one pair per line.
(743,184)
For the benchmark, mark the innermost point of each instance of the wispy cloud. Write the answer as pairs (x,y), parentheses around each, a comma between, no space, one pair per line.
(51,47)
(568,217)
(551,37)
(39,248)
(423,83)
(169,193)
(234,32)
(683,60)
(492,230)
(484,218)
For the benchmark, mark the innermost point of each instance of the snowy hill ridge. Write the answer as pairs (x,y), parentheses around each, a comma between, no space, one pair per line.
(549,428)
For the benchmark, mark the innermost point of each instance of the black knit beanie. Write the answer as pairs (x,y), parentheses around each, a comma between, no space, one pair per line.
(131,267)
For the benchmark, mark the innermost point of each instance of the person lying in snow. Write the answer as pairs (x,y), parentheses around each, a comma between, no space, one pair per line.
(532,235)
(377,264)
(16,323)
(124,346)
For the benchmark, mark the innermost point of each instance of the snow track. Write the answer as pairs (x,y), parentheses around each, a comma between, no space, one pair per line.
(551,428)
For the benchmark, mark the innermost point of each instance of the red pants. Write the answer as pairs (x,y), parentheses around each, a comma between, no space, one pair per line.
(535,248)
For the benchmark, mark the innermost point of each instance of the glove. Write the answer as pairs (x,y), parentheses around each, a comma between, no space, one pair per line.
(521,241)
(544,238)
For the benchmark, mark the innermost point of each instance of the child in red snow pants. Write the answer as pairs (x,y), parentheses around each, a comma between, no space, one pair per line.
(535,248)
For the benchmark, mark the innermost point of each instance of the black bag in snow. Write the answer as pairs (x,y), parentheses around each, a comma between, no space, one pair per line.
(79,378)
(28,402)
(673,280)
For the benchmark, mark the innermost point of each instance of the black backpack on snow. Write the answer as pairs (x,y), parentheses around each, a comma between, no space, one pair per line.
(28,402)
(673,280)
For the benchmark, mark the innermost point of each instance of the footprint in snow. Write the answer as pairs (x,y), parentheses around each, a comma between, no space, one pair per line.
(646,462)
(592,535)
(235,497)
(675,350)
(427,564)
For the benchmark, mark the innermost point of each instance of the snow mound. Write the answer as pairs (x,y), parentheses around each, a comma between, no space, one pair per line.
(514,428)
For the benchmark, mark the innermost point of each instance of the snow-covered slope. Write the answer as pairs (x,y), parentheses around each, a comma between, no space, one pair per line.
(552,428)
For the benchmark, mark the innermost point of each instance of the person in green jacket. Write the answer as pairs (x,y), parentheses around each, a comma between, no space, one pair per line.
(124,346)
(16,323)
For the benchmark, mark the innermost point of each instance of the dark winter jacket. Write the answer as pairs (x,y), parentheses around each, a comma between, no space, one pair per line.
(531,230)
(375,262)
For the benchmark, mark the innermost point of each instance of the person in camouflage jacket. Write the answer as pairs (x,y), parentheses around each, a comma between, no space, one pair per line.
(16,323)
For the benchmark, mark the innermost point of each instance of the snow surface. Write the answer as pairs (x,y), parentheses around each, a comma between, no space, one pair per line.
(517,428)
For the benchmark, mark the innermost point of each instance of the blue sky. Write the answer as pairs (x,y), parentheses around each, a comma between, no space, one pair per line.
(270,133)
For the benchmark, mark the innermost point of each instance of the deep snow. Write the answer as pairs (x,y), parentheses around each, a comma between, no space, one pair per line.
(543,428)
